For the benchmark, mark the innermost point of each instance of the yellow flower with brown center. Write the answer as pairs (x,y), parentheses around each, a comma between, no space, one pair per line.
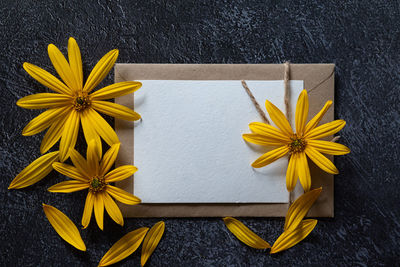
(94,175)
(73,103)
(300,144)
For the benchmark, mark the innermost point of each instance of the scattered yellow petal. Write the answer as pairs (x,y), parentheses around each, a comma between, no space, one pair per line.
(291,237)
(151,241)
(64,227)
(35,171)
(244,234)
(300,207)
(124,247)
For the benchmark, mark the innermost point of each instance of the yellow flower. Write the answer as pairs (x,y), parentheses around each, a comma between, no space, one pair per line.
(73,103)
(93,175)
(299,144)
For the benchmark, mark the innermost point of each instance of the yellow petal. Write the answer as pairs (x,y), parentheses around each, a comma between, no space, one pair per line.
(120,173)
(102,127)
(244,234)
(151,241)
(53,134)
(301,112)
(115,90)
(62,67)
(99,209)
(79,162)
(69,135)
(290,238)
(44,120)
(259,139)
(269,131)
(35,171)
(326,129)
(327,147)
(75,61)
(92,158)
(112,209)
(64,227)
(321,161)
(300,207)
(304,171)
(109,158)
(124,247)
(100,70)
(46,79)
(90,133)
(291,173)
(317,118)
(87,212)
(278,118)
(270,157)
(122,196)
(69,171)
(68,186)
(115,110)
(44,100)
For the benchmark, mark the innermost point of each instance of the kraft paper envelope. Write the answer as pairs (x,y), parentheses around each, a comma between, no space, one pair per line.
(319,82)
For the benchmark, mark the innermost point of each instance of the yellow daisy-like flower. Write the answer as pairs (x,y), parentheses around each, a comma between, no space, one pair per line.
(299,144)
(93,174)
(73,103)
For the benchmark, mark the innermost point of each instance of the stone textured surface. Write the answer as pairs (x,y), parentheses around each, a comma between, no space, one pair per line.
(361,37)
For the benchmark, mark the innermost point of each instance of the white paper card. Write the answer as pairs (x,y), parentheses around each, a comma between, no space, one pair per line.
(189,146)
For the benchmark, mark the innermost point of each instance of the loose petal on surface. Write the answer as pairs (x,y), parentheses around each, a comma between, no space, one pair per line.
(87,212)
(70,171)
(301,112)
(303,171)
(75,61)
(244,234)
(290,238)
(44,120)
(122,196)
(90,133)
(115,110)
(326,129)
(151,241)
(109,158)
(69,135)
(115,90)
(35,171)
(317,118)
(120,173)
(259,139)
(124,247)
(101,69)
(68,186)
(64,227)
(53,134)
(269,131)
(99,209)
(46,79)
(44,100)
(321,161)
(112,209)
(270,157)
(300,207)
(102,127)
(79,162)
(278,118)
(291,173)
(327,147)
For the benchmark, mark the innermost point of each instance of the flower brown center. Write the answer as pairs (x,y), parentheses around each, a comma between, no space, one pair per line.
(81,102)
(298,144)
(97,184)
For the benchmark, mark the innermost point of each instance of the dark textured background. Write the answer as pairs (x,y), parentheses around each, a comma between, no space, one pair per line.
(361,37)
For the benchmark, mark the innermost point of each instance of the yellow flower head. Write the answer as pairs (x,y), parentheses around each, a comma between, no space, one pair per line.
(299,144)
(93,174)
(73,103)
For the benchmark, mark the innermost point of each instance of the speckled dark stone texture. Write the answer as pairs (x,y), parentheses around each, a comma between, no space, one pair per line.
(361,37)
